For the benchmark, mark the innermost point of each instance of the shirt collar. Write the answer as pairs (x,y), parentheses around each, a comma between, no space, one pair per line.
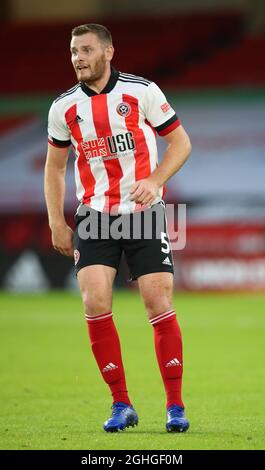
(109,86)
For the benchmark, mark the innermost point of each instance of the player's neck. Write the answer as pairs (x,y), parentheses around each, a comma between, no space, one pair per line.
(100,84)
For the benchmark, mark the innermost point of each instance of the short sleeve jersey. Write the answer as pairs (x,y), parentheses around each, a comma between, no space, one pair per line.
(114,137)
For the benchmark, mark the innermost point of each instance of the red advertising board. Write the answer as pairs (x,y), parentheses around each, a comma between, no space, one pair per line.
(222,257)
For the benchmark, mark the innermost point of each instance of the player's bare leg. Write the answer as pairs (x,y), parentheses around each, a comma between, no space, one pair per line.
(157,290)
(95,284)
(96,289)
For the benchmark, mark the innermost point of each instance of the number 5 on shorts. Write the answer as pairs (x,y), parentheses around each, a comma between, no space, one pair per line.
(164,241)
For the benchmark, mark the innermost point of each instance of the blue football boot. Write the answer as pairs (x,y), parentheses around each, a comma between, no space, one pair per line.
(176,421)
(122,417)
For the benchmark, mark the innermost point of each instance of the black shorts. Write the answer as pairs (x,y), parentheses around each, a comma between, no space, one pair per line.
(100,238)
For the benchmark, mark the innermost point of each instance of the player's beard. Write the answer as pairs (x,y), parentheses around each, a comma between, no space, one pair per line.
(96,71)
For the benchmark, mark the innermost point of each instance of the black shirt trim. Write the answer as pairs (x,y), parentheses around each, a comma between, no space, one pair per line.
(166,124)
(68,92)
(110,85)
(60,143)
(133,81)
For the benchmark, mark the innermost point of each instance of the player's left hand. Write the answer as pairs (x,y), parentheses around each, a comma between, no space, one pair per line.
(144,192)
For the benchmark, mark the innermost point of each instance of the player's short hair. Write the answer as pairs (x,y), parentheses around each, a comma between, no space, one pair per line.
(101,31)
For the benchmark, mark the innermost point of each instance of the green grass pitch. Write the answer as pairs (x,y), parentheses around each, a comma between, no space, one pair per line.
(52,395)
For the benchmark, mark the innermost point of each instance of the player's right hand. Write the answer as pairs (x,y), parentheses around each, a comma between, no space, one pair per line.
(62,240)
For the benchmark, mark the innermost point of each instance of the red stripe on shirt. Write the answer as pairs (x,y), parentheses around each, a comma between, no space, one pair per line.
(170,128)
(86,176)
(154,131)
(113,167)
(141,155)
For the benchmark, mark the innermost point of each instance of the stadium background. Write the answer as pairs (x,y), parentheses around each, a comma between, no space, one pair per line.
(208,58)
(209,62)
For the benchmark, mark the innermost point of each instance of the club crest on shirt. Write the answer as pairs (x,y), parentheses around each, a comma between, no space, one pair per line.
(124,109)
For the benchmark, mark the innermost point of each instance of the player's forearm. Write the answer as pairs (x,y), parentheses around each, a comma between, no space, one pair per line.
(54,189)
(173,159)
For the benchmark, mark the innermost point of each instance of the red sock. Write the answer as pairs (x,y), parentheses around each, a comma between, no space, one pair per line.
(107,351)
(168,346)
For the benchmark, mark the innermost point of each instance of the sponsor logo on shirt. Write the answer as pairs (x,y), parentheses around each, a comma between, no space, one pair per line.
(108,146)
(165,107)
(78,119)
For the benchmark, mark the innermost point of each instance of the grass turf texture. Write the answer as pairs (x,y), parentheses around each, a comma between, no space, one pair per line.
(52,395)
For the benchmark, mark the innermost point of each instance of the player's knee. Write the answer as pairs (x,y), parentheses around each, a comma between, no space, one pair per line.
(155,305)
(95,304)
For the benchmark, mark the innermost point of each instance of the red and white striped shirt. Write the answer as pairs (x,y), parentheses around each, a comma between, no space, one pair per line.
(114,137)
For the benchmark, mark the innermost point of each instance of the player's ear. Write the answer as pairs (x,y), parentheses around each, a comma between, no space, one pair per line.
(109,52)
